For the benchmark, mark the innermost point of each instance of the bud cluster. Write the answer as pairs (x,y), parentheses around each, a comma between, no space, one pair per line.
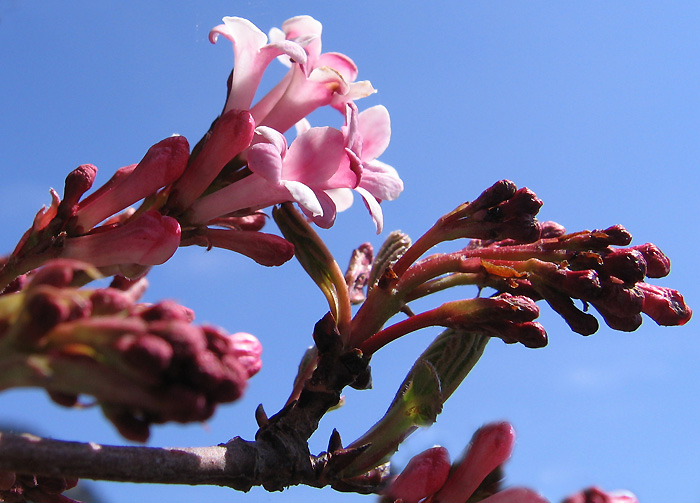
(142,363)
(524,261)
(587,266)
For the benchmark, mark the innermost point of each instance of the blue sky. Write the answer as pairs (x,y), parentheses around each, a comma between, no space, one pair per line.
(593,105)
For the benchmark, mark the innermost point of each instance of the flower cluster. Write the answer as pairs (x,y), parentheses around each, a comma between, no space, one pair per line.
(524,260)
(142,363)
(511,252)
(212,196)
(321,166)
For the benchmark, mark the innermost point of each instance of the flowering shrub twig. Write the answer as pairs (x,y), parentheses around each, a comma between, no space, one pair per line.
(147,364)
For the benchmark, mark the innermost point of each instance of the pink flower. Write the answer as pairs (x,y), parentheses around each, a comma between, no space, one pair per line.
(252,54)
(314,79)
(367,136)
(312,164)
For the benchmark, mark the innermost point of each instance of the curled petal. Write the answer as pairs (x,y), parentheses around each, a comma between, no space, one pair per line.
(264,159)
(306,197)
(251,57)
(375,210)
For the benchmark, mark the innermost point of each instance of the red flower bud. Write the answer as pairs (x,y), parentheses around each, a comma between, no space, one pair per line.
(664,305)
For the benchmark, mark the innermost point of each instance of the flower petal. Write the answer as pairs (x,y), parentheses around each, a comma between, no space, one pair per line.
(303,195)
(381,180)
(375,128)
(375,210)
(315,156)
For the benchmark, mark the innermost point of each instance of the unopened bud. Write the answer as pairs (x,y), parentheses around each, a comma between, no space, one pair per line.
(78,182)
(597,495)
(150,239)
(664,305)
(490,447)
(627,265)
(358,271)
(423,476)
(551,229)
(658,264)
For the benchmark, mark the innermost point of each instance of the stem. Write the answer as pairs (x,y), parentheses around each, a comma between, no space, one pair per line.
(216,465)
(424,243)
(393,332)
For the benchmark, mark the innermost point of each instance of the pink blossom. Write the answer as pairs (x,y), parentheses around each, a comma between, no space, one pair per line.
(367,136)
(252,54)
(301,173)
(314,79)
(325,79)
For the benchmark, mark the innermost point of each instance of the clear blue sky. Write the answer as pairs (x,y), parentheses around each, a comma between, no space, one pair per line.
(593,105)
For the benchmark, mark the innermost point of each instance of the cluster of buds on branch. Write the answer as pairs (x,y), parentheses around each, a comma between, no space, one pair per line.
(147,363)
(141,363)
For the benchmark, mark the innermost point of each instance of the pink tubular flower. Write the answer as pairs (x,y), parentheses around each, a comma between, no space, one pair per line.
(230,135)
(163,164)
(266,249)
(314,80)
(252,54)
(300,174)
(150,239)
